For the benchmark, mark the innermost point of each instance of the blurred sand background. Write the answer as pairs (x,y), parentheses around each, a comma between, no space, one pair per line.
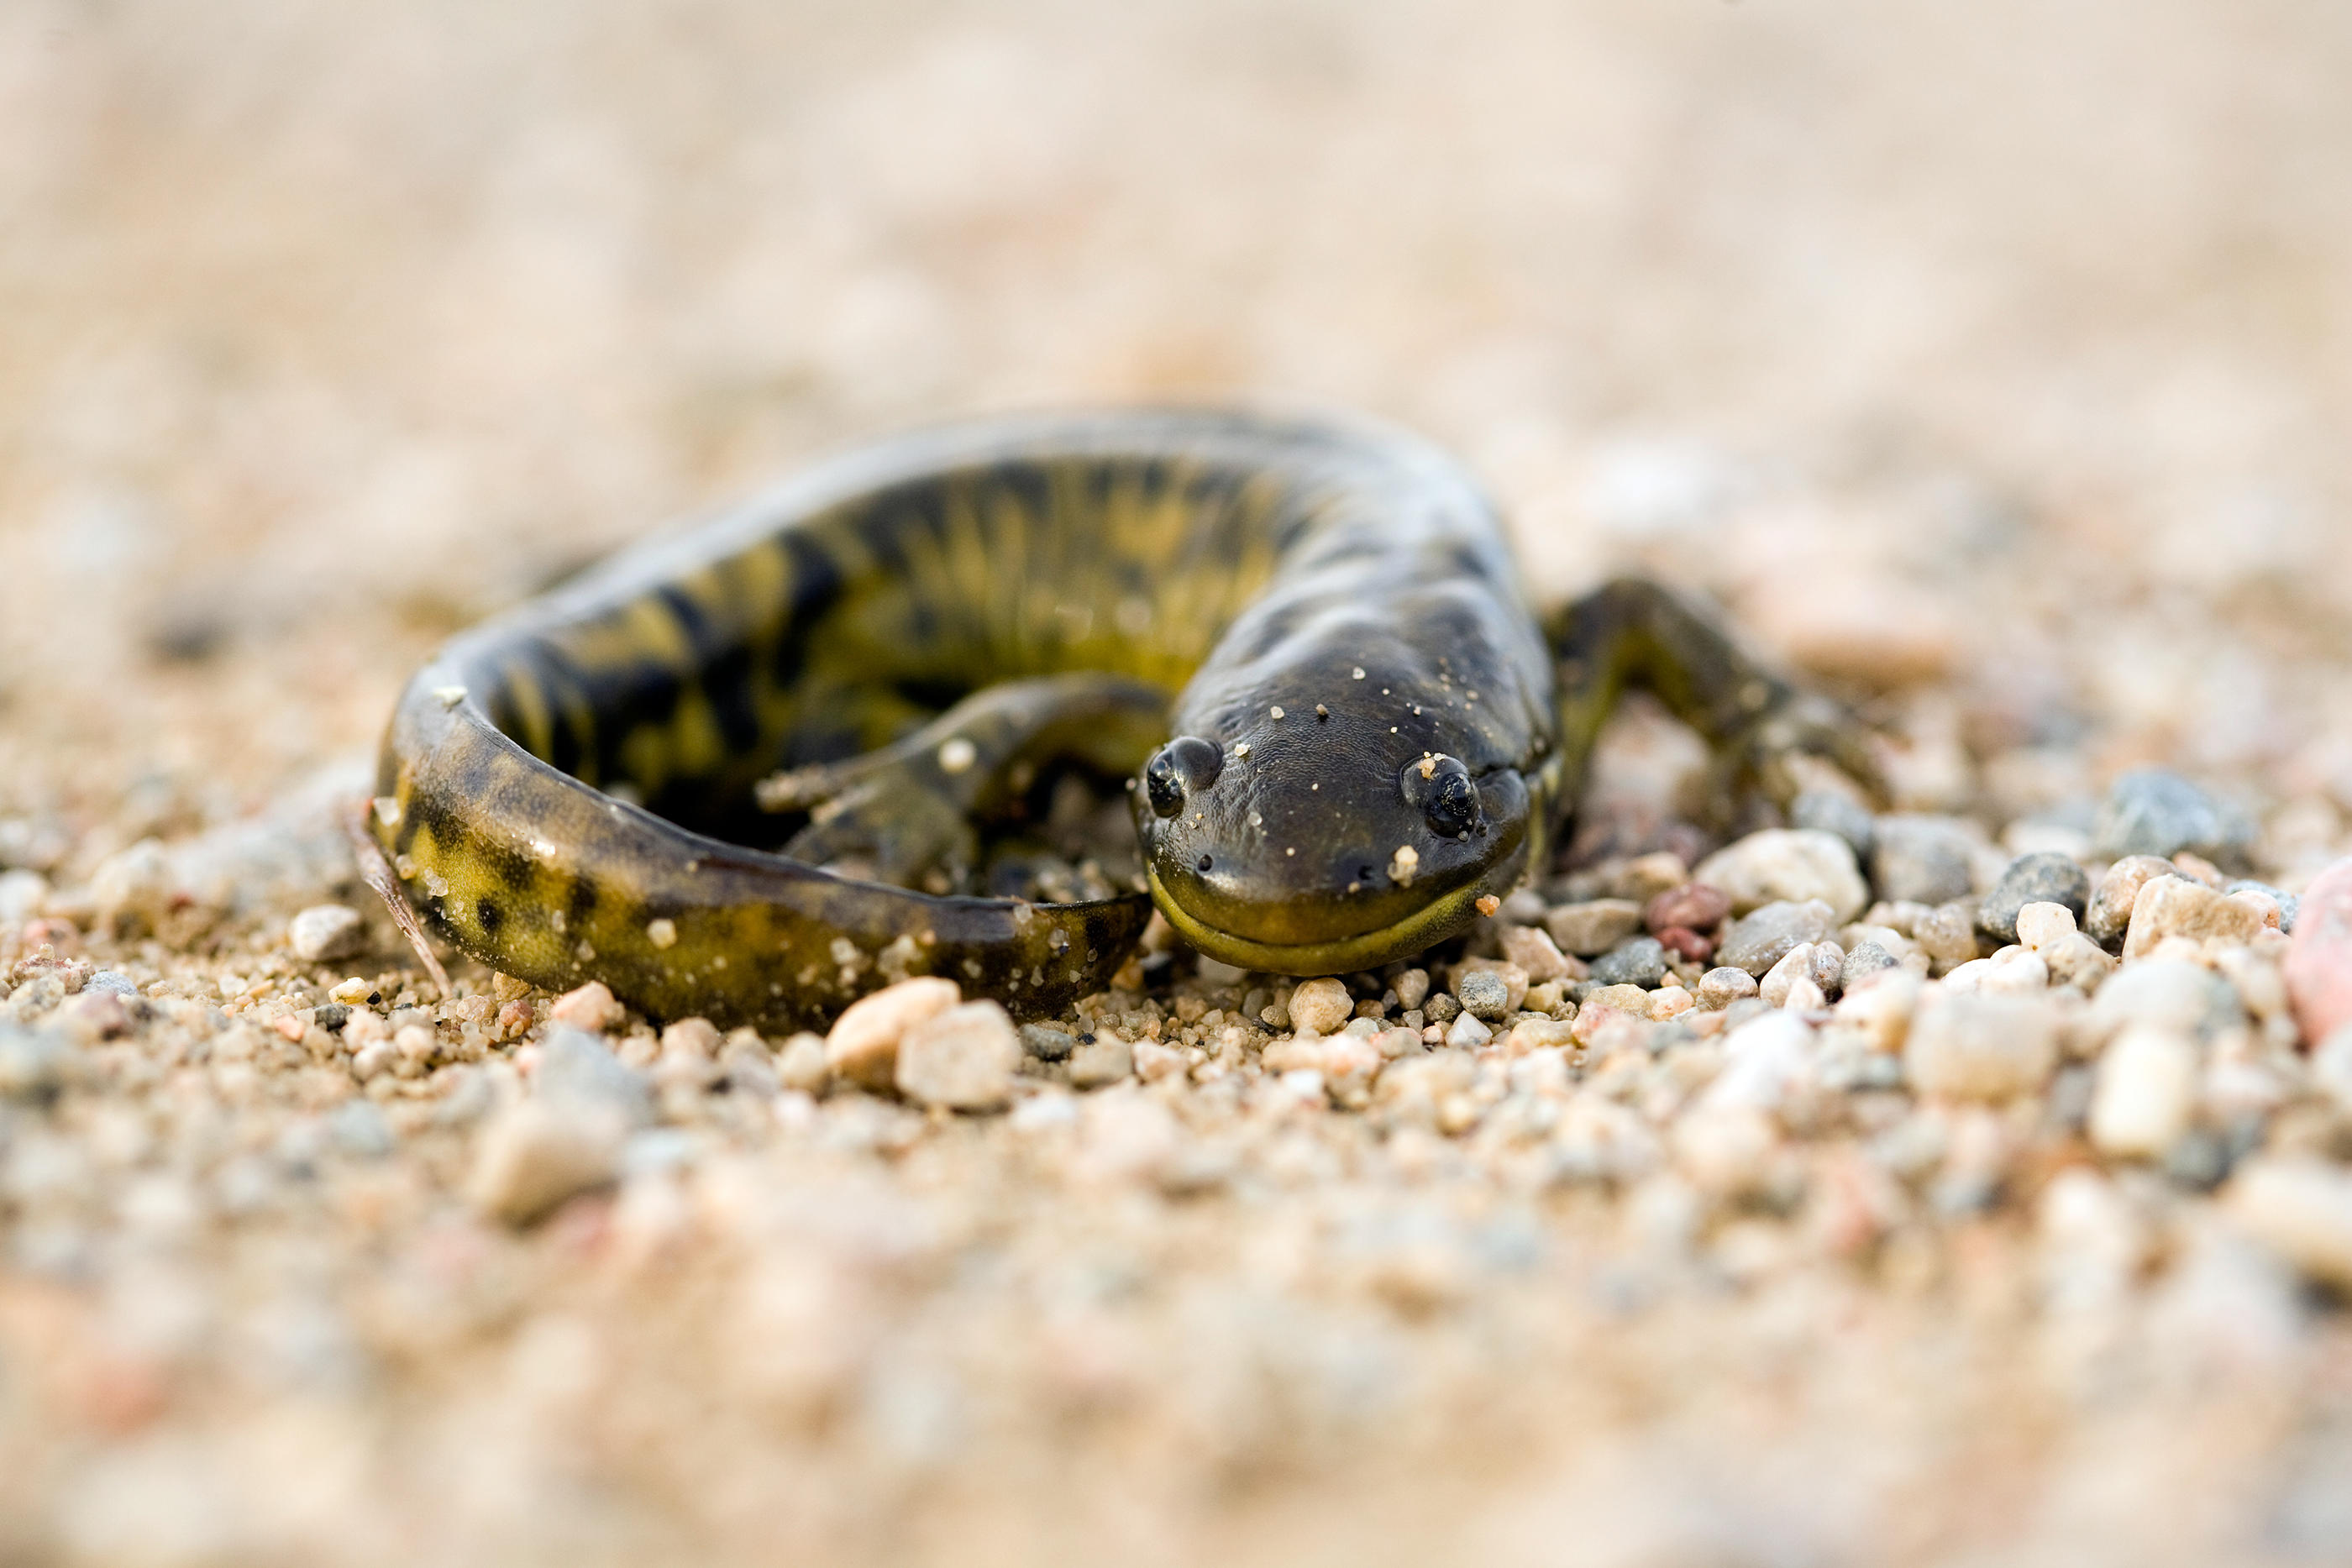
(1997,358)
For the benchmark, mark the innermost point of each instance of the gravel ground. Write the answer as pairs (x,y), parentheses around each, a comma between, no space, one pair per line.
(1969,1182)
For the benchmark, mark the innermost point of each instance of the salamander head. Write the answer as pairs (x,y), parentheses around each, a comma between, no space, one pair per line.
(1310,838)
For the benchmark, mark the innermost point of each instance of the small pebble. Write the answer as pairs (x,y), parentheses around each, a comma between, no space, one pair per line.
(1441,1007)
(1107,1058)
(590,1007)
(1866,959)
(1320,1006)
(1795,964)
(1468,1032)
(1788,865)
(1594,926)
(1758,940)
(962,1057)
(1720,988)
(326,931)
(1947,936)
(2042,878)
(2154,811)
(1982,1047)
(863,1046)
(1412,988)
(574,1068)
(2288,905)
(1922,859)
(2176,906)
(2145,1093)
(1694,905)
(1687,943)
(1641,962)
(1484,995)
(2110,912)
(1532,948)
(2041,927)
(540,1153)
(1047,1043)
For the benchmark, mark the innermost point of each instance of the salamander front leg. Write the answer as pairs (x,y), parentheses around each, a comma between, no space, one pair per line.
(1636,631)
(910,807)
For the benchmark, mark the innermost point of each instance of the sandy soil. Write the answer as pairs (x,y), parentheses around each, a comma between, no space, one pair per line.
(1992,362)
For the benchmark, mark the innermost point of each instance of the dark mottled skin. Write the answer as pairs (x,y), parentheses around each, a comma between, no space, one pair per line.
(835,629)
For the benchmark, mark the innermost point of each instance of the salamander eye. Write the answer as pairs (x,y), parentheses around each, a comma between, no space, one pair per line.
(1180,769)
(1442,787)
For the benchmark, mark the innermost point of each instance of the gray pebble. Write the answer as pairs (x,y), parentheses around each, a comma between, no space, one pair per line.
(2287,903)
(121,985)
(2154,811)
(1047,1043)
(1641,962)
(2043,877)
(1922,859)
(333,1016)
(1866,959)
(1758,941)
(1442,1009)
(1827,811)
(1487,996)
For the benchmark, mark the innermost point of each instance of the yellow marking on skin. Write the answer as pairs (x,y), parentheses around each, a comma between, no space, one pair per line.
(530,705)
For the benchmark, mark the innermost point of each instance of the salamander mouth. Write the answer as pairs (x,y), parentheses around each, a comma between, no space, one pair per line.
(1442,916)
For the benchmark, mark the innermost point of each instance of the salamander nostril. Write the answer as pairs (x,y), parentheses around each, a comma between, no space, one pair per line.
(1205,862)
(1180,769)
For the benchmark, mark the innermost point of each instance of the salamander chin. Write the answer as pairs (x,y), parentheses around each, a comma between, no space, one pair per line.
(1444,916)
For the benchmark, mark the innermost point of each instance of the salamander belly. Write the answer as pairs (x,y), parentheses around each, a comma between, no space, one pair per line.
(570,791)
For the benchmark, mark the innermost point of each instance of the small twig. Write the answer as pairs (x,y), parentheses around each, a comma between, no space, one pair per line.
(377,873)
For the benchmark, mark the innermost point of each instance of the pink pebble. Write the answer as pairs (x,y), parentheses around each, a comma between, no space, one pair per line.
(2319,964)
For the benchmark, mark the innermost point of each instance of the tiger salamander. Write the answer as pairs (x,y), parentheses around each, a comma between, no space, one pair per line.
(1302,642)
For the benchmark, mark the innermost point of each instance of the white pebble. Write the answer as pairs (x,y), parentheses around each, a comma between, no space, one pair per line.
(590,1007)
(326,931)
(1320,1006)
(2042,926)
(1981,1047)
(1790,863)
(962,1057)
(863,1046)
(1106,1060)
(2146,1093)
(540,1152)
(1467,1033)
